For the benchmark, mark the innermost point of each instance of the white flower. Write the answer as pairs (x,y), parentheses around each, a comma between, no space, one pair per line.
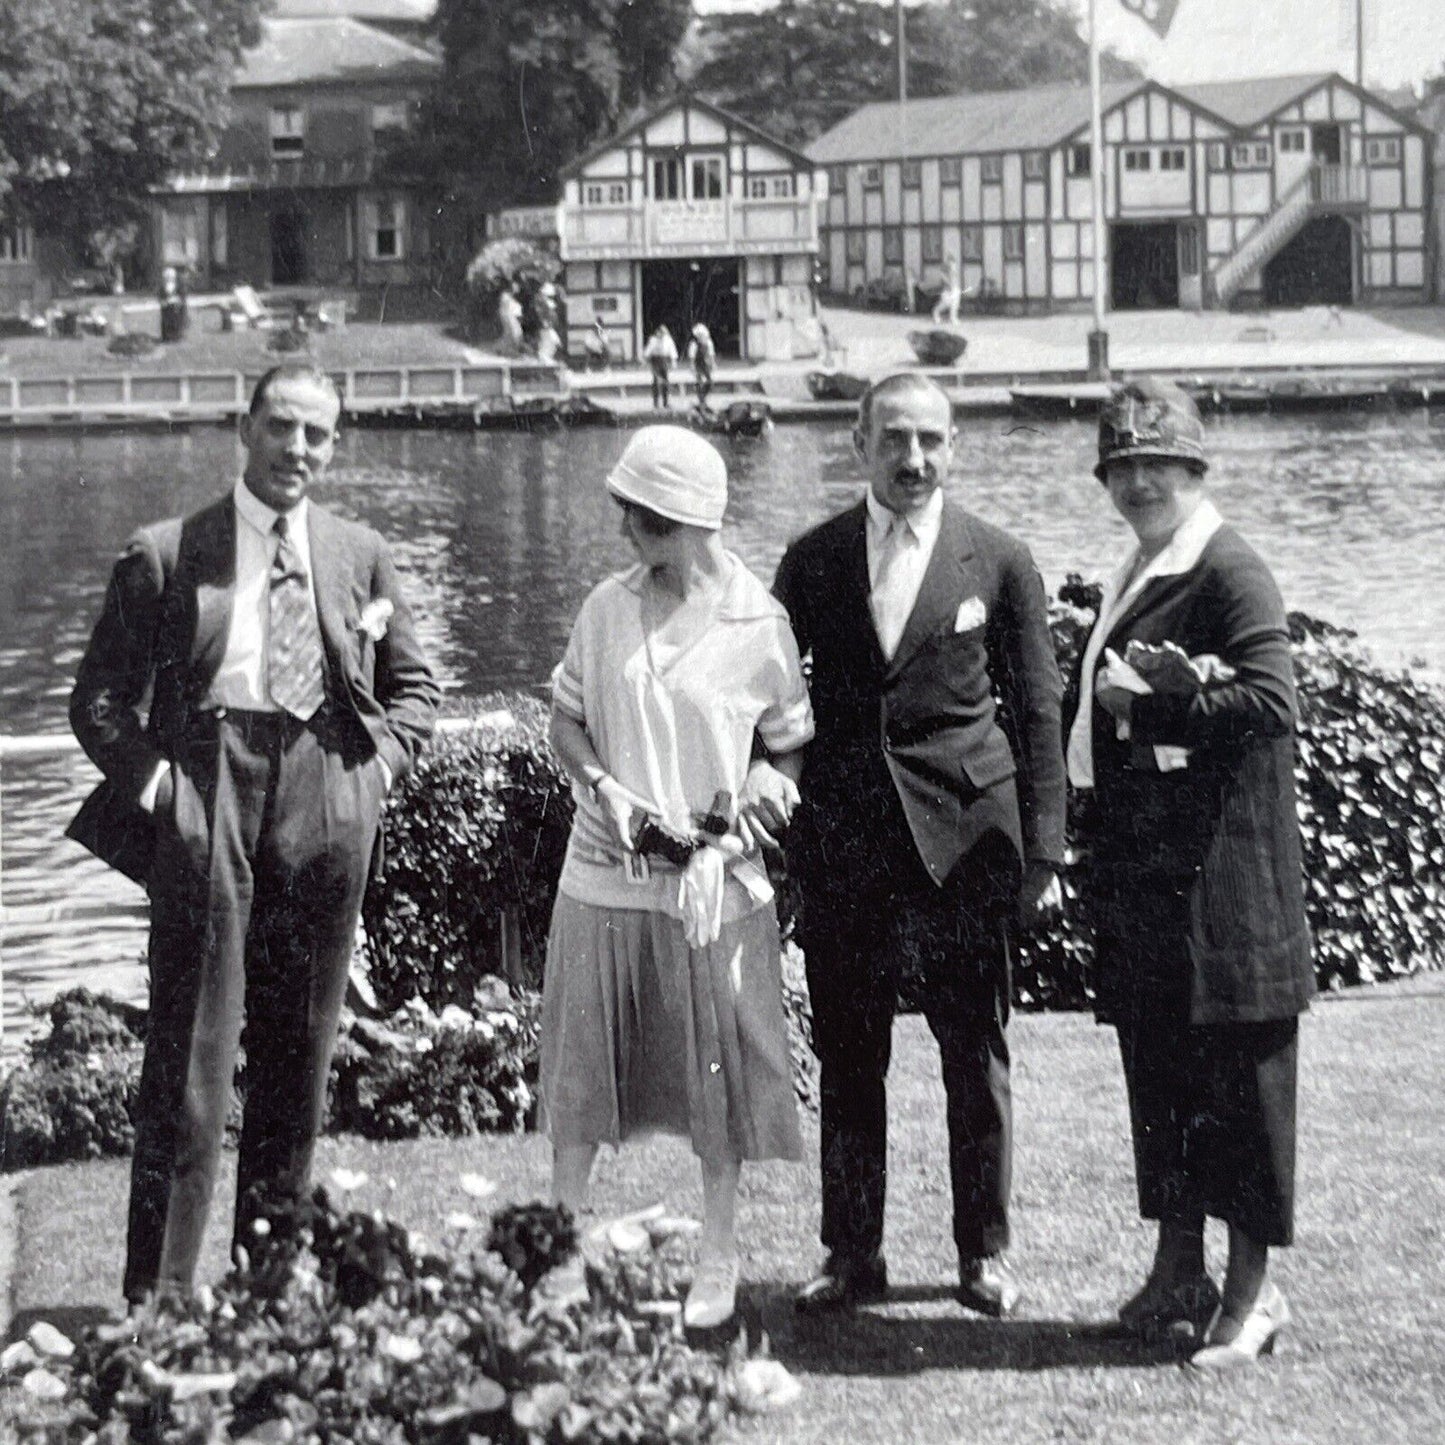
(401,1348)
(478,1186)
(348,1179)
(374,618)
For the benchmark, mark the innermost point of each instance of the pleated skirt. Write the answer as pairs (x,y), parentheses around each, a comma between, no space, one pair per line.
(643,1034)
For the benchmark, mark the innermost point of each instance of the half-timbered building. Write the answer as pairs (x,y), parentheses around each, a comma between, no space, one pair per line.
(691,214)
(1280,191)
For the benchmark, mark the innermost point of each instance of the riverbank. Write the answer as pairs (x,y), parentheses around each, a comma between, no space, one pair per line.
(1361,1362)
(418,373)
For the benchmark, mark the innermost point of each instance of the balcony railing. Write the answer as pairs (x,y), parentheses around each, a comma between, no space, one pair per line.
(726,226)
(1339,186)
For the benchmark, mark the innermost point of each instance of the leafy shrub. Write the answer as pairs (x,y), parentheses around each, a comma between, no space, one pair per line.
(345,1326)
(416,1073)
(454,1073)
(478,827)
(74,1097)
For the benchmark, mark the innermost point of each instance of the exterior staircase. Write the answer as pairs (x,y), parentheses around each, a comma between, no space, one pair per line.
(1321,190)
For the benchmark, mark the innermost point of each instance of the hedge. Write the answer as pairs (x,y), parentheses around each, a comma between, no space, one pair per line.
(481,827)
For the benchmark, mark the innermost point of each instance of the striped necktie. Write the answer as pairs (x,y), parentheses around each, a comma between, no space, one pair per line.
(295,664)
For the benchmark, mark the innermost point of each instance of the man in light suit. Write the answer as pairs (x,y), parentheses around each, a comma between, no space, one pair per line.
(931,820)
(252,690)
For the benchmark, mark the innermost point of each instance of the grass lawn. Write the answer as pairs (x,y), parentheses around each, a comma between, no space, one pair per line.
(360,343)
(1363,1363)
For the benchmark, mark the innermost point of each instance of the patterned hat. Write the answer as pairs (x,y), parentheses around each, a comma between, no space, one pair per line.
(1150,418)
(675,473)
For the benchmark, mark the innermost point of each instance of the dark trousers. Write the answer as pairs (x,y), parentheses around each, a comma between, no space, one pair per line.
(895,935)
(261,858)
(661,384)
(1212,1111)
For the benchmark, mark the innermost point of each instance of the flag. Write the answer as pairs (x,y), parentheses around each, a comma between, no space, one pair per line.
(1158,15)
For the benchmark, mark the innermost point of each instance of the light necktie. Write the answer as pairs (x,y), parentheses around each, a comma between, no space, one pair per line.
(295,663)
(890,601)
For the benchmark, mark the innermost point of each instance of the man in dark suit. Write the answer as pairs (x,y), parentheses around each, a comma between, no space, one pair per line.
(931,820)
(251,692)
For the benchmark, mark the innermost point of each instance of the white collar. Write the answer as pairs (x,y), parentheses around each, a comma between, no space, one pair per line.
(1182,551)
(263,518)
(923,523)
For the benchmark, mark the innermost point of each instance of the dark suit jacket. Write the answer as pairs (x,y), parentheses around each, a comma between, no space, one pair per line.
(1200,870)
(961,767)
(162,635)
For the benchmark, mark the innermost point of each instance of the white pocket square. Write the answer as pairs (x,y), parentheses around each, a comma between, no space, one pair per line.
(374,618)
(971,614)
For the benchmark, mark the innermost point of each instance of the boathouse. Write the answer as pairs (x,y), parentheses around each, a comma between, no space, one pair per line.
(1289,190)
(691,214)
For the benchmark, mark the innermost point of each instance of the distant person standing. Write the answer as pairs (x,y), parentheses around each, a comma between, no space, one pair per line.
(703,354)
(946,308)
(599,354)
(509,318)
(175,309)
(660,353)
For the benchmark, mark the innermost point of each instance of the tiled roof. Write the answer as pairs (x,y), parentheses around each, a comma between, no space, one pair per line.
(1247,102)
(386,12)
(1036,118)
(962,124)
(302,52)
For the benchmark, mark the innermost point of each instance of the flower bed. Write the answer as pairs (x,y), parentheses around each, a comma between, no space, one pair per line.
(346,1327)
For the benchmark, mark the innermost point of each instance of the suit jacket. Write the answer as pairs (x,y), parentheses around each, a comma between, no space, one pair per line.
(962,765)
(1200,870)
(162,635)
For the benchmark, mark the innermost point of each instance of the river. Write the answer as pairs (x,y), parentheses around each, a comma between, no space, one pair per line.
(500,536)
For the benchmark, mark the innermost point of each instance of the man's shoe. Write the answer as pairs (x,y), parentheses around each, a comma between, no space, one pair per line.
(988,1286)
(1171,1311)
(843,1283)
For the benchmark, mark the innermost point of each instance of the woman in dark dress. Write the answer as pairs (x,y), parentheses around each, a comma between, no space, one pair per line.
(1185,734)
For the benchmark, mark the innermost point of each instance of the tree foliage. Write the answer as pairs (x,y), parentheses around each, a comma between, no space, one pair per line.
(798,68)
(538,81)
(101,99)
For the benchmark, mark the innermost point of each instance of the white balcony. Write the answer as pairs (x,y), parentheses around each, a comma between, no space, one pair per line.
(650,230)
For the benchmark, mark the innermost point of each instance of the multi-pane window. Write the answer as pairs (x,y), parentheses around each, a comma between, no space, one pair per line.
(838,178)
(666,178)
(15,242)
(288,130)
(780,186)
(950,171)
(872,176)
(387,222)
(1080,161)
(912,175)
(892,246)
(1172,158)
(1217,155)
(1034,165)
(1138,159)
(757,187)
(707,178)
(973,243)
(1293,141)
(389,117)
(1013,242)
(857,248)
(604,193)
(1383,150)
(933,243)
(1250,155)
(992,168)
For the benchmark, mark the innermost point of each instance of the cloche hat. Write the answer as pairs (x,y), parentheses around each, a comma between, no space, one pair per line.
(675,473)
(1150,418)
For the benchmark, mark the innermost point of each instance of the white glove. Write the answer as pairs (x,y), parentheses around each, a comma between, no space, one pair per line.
(700,896)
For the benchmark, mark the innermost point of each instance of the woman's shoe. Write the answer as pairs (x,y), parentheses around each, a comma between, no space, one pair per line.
(1171,1311)
(1230,1341)
(712,1296)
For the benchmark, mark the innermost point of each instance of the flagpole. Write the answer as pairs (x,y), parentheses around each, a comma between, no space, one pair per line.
(1360,43)
(1098,337)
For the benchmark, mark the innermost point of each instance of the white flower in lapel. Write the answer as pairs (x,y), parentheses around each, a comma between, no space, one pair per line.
(971,613)
(374,618)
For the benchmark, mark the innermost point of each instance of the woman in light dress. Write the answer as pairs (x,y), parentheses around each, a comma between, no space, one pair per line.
(680,700)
